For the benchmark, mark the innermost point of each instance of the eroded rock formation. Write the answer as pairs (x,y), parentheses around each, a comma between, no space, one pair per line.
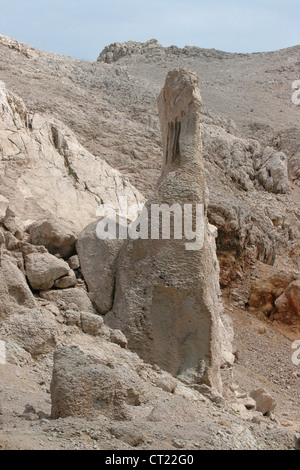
(167,297)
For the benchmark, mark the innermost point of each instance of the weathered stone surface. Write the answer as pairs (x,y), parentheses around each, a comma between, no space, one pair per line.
(264,402)
(17,355)
(72,318)
(273,171)
(56,235)
(13,224)
(264,292)
(98,263)
(74,299)
(289,301)
(4,203)
(83,388)
(117,50)
(50,176)
(14,291)
(66,281)
(117,337)
(166,382)
(35,330)
(248,403)
(167,298)
(42,269)
(91,324)
(294,167)
(74,262)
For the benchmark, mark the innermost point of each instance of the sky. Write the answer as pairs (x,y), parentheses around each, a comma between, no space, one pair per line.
(82,28)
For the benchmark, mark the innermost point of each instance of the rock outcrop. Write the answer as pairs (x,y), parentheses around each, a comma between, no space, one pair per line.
(167,296)
(56,235)
(83,387)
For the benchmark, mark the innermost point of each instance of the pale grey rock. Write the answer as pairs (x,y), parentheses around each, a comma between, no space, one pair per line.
(92,324)
(166,382)
(272,170)
(56,235)
(160,413)
(50,176)
(265,403)
(248,403)
(98,263)
(14,291)
(66,281)
(164,291)
(34,330)
(226,339)
(117,50)
(82,387)
(72,318)
(13,224)
(17,355)
(4,203)
(42,269)
(70,298)
(131,436)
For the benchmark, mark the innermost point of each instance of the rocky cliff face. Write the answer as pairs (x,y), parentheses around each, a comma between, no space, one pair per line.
(75,134)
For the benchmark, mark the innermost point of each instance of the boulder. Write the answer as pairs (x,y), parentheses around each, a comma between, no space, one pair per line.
(42,269)
(72,318)
(34,330)
(84,388)
(264,402)
(17,355)
(69,299)
(117,337)
(264,292)
(14,291)
(56,235)
(289,301)
(98,259)
(4,203)
(166,382)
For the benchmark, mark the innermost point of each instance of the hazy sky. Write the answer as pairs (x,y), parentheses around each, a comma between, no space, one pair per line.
(82,28)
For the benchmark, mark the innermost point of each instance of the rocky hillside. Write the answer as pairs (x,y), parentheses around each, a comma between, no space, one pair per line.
(76,134)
